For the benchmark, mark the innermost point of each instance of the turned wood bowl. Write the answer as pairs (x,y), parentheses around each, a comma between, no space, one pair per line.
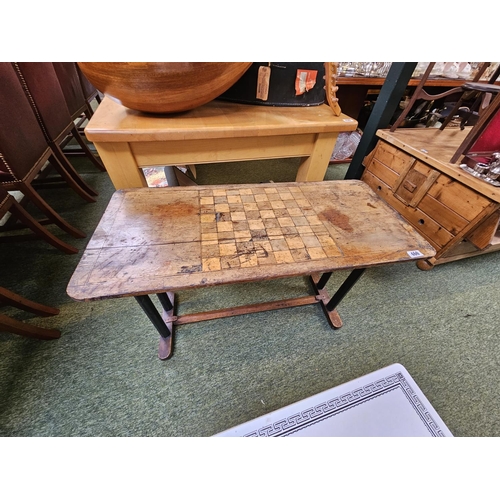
(161,87)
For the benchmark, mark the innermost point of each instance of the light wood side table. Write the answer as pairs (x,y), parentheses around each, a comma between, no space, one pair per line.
(219,131)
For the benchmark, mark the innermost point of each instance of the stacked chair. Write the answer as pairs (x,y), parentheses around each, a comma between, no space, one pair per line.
(8,204)
(34,123)
(43,92)
(89,91)
(24,151)
(11,325)
(486,105)
(78,93)
(71,85)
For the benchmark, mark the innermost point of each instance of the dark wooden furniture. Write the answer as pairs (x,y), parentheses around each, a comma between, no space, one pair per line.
(11,325)
(484,93)
(421,94)
(71,85)
(354,91)
(8,204)
(42,89)
(78,94)
(89,91)
(456,212)
(157,241)
(24,151)
(90,94)
(486,107)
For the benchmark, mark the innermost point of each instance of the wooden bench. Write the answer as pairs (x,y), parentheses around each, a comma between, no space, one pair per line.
(160,240)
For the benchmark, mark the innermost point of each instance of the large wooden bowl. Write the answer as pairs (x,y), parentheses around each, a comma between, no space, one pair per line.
(161,87)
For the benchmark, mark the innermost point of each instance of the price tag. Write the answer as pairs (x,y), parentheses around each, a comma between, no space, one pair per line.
(263,77)
(415,253)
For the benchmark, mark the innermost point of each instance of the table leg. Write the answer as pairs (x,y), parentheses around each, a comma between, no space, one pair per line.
(160,322)
(313,168)
(121,165)
(164,323)
(330,304)
(344,288)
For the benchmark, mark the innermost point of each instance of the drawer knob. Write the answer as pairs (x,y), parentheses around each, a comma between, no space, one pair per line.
(409,186)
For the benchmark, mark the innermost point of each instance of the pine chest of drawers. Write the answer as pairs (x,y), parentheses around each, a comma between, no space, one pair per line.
(456,212)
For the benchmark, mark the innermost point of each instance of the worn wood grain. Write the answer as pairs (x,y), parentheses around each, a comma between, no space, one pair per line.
(151,240)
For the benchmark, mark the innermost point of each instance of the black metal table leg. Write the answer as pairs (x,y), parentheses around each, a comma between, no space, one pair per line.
(165,347)
(165,301)
(154,316)
(344,288)
(323,280)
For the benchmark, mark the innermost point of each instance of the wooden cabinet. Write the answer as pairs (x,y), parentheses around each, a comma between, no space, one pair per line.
(456,212)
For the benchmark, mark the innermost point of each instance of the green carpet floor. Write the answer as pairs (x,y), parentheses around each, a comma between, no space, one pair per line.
(103,377)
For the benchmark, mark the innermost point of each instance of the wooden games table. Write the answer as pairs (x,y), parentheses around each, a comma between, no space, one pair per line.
(158,241)
(128,141)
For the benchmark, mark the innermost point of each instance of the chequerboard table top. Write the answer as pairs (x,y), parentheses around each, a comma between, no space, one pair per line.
(150,240)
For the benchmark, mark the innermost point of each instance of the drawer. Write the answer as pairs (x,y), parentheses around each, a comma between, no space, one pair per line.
(392,157)
(436,234)
(383,172)
(444,216)
(457,197)
(413,185)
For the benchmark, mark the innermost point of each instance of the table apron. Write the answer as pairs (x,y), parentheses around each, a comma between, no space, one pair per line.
(183,152)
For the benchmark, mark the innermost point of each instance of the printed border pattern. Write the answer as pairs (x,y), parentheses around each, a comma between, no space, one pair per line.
(345,402)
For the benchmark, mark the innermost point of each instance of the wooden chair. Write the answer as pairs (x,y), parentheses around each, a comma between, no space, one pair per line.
(8,204)
(421,94)
(24,151)
(42,89)
(78,93)
(71,85)
(89,91)
(487,107)
(482,101)
(11,325)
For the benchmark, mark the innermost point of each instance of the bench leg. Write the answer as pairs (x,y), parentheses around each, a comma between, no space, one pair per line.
(164,322)
(160,322)
(328,304)
(344,288)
